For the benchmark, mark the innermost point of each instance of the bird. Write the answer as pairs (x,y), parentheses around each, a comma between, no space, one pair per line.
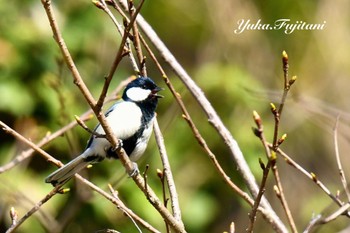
(131,121)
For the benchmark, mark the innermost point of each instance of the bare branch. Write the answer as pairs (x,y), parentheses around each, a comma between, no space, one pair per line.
(319,220)
(51,136)
(194,129)
(337,156)
(115,195)
(309,175)
(35,208)
(168,174)
(214,119)
(177,226)
(259,132)
(48,157)
(119,55)
(277,113)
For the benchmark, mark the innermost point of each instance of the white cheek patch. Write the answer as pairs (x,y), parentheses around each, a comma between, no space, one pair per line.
(137,93)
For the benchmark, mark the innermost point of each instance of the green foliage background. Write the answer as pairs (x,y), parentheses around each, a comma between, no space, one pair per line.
(238,73)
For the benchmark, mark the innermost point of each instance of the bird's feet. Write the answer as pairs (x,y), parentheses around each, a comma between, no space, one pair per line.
(135,171)
(120,144)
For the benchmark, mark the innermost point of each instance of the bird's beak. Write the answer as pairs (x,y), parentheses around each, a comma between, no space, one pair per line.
(155,92)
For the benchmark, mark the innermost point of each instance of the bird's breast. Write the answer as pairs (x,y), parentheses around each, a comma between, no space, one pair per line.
(125,119)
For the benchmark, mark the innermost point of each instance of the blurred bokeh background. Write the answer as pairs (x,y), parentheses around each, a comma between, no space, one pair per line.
(239,73)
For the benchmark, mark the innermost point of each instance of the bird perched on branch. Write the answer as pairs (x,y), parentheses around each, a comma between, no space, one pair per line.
(131,120)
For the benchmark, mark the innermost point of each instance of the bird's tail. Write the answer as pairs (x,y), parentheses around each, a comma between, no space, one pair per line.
(63,174)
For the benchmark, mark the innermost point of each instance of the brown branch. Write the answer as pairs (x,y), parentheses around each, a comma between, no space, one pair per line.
(281,196)
(51,136)
(319,220)
(259,132)
(49,158)
(136,37)
(167,173)
(35,208)
(18,136)
(214,119)
(309,175)
(117,59)
(123,208)
(337,156)
(161,176)
(194,129)
(277,113)
(199,96)
(129,166)
(76,75)
(159,139)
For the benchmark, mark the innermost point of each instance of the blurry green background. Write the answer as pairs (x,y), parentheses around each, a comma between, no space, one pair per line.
(239,73)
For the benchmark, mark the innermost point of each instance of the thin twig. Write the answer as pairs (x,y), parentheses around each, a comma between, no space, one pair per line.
(309,175)
(136,38)
(175,204)
(268,213)
(84,126)
(49,158)
(167,173)
(259,132)
(319,220)
(118,203)
(194,129)
(117,59)
(51,136)
(13,216)
(115,195)
(35,208)
(337,156)
(213,118)
(277,113)
(77,78)
(18,136)
(127,50)
(159,138)
(129,166)
(161,176)
(252,214)
(343,209)
(283,200)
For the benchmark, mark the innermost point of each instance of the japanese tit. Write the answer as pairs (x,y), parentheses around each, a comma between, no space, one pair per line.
(131,120)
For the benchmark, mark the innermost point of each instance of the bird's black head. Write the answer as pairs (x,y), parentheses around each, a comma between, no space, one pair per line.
(144,92)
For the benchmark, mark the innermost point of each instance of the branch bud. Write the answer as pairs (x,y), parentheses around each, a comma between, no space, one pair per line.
(277,191)
(256,132)
(13,215)
(77,118)
(314,177)
(282,139)
(292,80)
(232,227)
(273,156)
(273,108)
(262,165)
(257,118)
(98,4)
(284,58)
(64,191)
(160,174)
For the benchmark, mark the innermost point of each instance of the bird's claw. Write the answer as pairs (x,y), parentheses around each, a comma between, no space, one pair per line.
(135,171)
(120,144)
